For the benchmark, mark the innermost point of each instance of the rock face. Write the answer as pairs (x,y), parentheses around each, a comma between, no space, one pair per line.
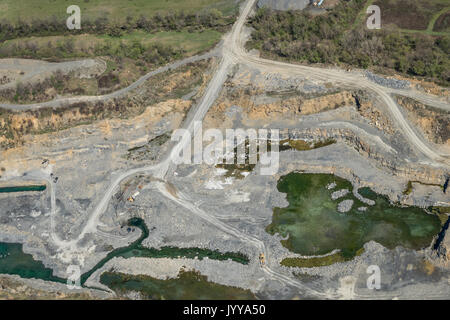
(442,246)
(433,122)
(394,164)
(284,4)
(283,106)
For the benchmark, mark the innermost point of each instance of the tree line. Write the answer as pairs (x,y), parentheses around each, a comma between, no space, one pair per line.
(331,39)
(153,53)
(171,21)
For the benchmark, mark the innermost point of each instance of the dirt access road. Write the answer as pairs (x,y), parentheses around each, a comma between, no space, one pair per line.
(234,48)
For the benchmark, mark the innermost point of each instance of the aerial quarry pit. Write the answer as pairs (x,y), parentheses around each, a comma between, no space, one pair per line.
(91,177)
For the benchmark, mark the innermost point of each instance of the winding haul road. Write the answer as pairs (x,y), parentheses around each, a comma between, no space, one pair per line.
(235,48)
(234,53)
(61,102)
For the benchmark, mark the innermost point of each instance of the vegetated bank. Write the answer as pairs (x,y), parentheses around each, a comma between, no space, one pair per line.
(189,285)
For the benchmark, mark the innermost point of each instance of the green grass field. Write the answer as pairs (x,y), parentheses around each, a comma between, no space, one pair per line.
(27,10)
(191,42)
(169,30)
(34,29)
(84,45)
(411,14)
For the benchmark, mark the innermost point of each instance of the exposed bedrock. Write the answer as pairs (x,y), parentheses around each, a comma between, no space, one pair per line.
(397,166)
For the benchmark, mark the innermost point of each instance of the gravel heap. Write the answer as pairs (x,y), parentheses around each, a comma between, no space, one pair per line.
(284,4)
(388,82)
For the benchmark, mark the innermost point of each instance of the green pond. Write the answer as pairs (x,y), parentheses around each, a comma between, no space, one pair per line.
(314,226)
(189,285)
(137,250)
(14,261)
(22,188)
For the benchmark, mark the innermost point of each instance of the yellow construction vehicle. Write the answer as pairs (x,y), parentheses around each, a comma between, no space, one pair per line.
(262,260)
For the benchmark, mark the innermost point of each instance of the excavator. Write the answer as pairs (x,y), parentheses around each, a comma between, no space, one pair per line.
(262,259)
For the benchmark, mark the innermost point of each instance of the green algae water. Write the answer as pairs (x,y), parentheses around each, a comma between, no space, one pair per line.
(14,261)
(22,188)
(314,226)
(189,285)
(137,250)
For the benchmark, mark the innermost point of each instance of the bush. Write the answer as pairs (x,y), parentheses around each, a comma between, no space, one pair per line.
(168,22)
(330,39)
